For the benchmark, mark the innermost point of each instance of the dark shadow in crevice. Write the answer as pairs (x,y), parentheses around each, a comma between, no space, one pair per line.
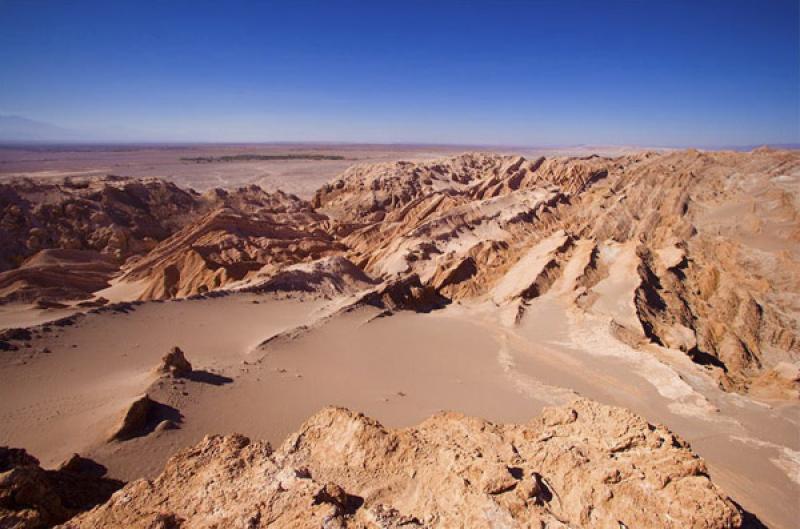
(705,359)
(515,472)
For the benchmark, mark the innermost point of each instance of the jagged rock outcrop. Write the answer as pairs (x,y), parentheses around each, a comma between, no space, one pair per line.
(695,251)
(581,465)
(118,217)
(365,193)
(405,294)
(34,498)
(176,242)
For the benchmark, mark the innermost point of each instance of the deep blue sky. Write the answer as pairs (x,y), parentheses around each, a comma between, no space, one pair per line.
(506,72)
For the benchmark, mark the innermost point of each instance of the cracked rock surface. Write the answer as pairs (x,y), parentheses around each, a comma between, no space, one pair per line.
(580,465)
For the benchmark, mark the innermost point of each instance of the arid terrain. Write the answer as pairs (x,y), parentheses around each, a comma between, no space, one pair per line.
(294,168)
(572,340)
(298,169)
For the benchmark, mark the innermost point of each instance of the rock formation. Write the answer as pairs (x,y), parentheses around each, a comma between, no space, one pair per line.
(115,216)
(228,245)
(581,465)
(707,243)
(143,416)
(34,498)
(134,420)
(175,363)
(329,276)
(178,242)
(697,252)
(405,294)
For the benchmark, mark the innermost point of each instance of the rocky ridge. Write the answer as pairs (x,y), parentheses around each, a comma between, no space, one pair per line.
(232,242)
(581,465)
(175,242)
(711,240)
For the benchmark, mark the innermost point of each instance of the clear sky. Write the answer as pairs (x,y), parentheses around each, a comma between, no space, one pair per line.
(647,72)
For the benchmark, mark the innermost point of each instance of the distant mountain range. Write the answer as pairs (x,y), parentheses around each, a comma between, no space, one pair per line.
(20,129)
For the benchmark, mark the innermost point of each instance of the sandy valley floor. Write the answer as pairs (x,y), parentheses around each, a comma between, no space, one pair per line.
(62,393)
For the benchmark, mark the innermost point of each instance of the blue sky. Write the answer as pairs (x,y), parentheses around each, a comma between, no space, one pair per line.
(507,72)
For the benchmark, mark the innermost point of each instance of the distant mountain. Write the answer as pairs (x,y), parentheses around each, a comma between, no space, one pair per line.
(20,129)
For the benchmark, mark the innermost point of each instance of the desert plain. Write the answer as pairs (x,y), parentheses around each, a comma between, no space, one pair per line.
(564,337)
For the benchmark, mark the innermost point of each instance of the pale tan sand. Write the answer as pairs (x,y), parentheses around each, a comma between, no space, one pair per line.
(26,315)
(399,369)
(67,399)
(518,278)
(121,291)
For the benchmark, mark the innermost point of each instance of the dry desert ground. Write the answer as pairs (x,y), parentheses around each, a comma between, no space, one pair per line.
(362,336)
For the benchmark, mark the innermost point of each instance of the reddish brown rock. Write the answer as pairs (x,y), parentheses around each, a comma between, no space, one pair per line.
(34,498)
(175,363)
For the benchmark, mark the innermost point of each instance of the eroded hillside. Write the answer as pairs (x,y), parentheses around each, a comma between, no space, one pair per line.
(695,251)
(710,243)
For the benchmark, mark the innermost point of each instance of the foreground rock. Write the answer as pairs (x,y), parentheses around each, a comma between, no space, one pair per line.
(582,465)
(33,498)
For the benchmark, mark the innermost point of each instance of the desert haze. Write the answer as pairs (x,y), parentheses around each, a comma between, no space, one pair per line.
(399,336)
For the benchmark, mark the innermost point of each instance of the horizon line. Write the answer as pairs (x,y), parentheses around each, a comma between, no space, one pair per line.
(4,143)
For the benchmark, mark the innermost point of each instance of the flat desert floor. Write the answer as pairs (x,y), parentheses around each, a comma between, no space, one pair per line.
(174,162)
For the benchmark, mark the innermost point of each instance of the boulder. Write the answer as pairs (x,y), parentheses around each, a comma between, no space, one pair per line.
(174,363)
